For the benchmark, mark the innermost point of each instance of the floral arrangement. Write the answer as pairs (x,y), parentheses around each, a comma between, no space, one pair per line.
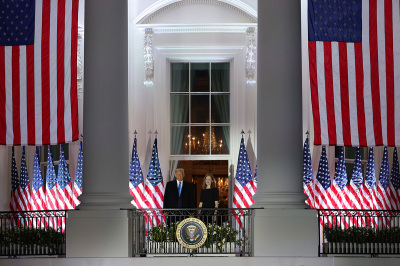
(216,234)
(360,235)
(30,237)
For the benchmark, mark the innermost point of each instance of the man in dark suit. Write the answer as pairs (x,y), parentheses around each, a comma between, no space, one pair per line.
(179,194)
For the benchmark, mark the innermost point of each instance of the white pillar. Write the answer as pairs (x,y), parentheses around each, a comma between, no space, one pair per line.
(100,228)
(284,227)
(105,117)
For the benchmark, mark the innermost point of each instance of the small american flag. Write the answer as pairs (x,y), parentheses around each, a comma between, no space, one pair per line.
(323,198)
(136,180)
(395,182)
(51,183)
(25,188)
(78,181)
(51,191)
(356,182)
(242,195)
(154,188)
(308,180)
(340,182)
(24,193)
(369,189)
(14,206)
(383,199)
(38,194)
(66,197)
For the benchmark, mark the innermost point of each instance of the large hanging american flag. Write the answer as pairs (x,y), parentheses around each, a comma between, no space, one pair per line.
(354,60)
(38,72)
(308,180)
(136,180)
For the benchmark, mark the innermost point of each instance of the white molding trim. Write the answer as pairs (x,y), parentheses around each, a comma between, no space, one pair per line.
(198,28)
(161,6)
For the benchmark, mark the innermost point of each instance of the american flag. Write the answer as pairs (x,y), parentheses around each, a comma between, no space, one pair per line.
(38,72)
(395,181)
(353,57)
(78,181)
(255,181)
(308,180)
(38,194)
(51,183)
(136,180)
(242,196)
(66,198)
(356,182)
(383,198)
(154,186)
(369,188)
(51,191)
(14,206)
(340,182)
(323,193)
(24,193)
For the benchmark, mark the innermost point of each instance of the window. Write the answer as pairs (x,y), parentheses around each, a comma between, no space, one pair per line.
(55,152)
(349,157)
(200,108)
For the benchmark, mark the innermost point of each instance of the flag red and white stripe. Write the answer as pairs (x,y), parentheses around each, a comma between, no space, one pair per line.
(38,88)
(355,86)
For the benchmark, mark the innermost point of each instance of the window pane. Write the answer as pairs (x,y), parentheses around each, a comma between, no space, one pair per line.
(200,140)
(179,140)
(220,108)
(199,108)
(220,140)
(179,108)
(179,77)
(220,77)
(200,77)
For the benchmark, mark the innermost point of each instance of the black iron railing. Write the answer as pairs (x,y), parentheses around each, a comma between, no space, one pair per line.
(27,233)
(229,231)
(370,232)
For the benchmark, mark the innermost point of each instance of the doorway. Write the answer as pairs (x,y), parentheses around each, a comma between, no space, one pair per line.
(195,172)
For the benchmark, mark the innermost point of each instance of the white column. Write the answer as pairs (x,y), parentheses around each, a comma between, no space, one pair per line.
(283,227)
(105,117)
(100,228)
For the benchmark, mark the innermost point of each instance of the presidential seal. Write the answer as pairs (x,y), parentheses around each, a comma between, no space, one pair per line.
(191,233)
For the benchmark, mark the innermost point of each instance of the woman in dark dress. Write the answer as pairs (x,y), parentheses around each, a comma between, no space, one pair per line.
(209,199)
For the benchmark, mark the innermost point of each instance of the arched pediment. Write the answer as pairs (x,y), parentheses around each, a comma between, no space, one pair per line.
(197,12)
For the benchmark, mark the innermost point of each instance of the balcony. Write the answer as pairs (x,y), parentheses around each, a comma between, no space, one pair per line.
(32,233)
(156,232)
(359,232)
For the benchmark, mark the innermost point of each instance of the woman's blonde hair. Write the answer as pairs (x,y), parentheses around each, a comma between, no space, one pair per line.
(212,181)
